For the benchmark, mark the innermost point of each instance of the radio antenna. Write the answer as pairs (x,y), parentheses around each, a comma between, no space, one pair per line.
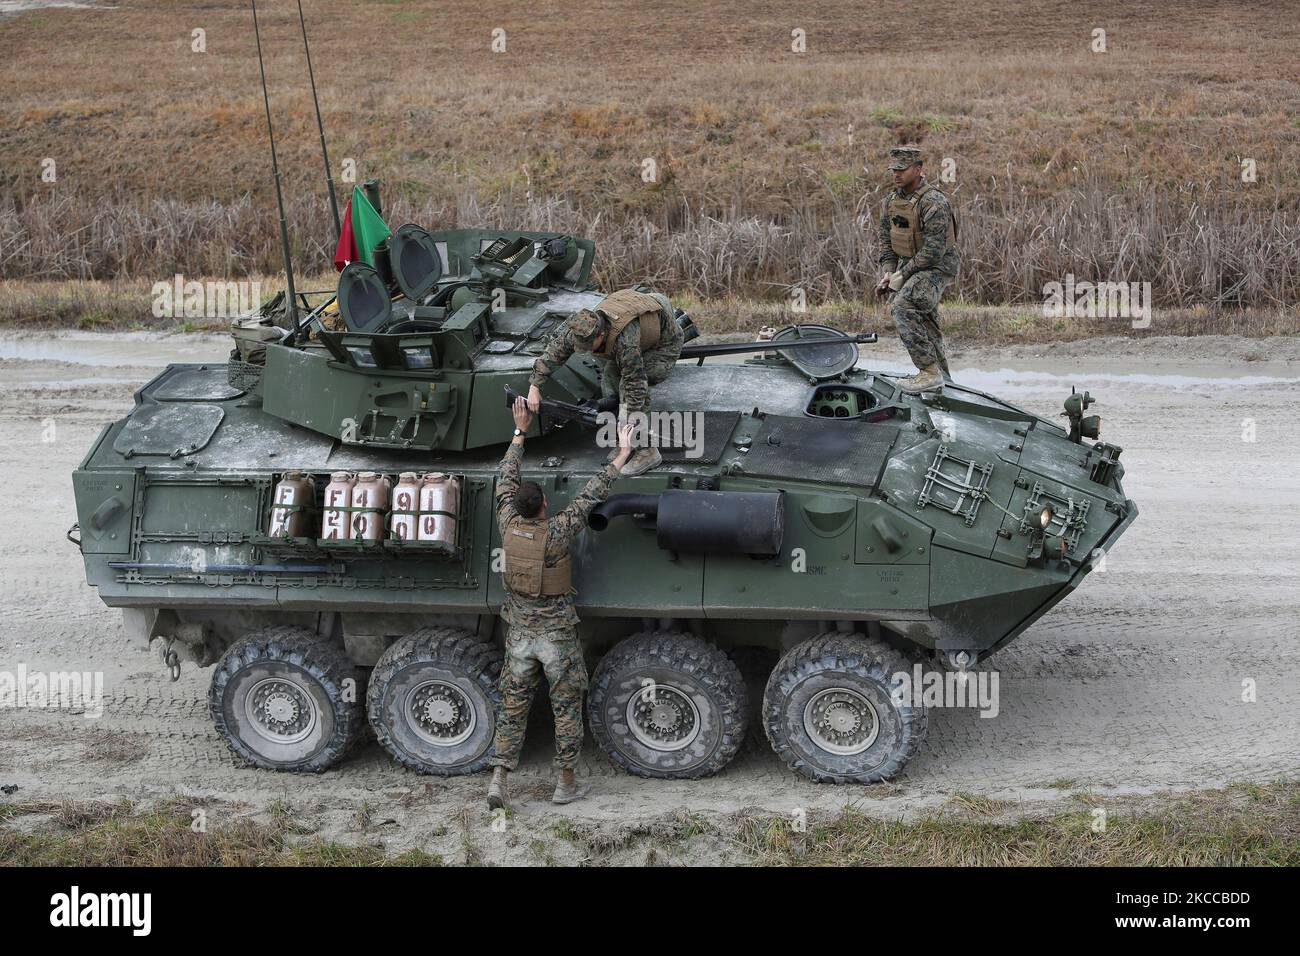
(329,178)
(292,312)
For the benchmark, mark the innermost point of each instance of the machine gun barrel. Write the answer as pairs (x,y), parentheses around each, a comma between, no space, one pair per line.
(585,414)
(739,348)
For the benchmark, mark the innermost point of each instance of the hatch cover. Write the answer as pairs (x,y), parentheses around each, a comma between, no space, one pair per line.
(818,361)
(842,452)
(706,444)
(171,430)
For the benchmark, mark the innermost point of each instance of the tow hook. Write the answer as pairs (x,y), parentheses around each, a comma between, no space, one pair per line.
(958,660)
(77,529)
(172,661)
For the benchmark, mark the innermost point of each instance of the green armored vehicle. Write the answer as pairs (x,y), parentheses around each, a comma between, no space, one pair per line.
(810,509)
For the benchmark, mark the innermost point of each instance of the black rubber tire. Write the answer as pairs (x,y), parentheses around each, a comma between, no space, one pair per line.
(862,665)
(318,668)
(701,672)
(445,654)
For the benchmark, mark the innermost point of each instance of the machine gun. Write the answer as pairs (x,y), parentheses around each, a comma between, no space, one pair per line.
(701,352)
(586,414)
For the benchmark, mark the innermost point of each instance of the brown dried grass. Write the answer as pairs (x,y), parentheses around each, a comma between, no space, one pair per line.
(1122,166)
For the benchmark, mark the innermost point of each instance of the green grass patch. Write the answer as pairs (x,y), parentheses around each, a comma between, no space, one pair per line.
(841,182)
(115,834)
(1245,825)
(887,115)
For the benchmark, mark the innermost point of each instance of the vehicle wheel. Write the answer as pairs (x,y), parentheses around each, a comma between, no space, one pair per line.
(433,701)
(282,700)
(829,715)
(668,705)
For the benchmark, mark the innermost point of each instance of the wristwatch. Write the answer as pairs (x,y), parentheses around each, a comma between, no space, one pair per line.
(519,432)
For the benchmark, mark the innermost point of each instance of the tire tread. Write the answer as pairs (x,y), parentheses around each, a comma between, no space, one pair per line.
(322,659)
(849,652)
(709,664)
(443,644)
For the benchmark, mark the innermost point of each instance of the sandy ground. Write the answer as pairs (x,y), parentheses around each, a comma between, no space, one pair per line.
(1133,686)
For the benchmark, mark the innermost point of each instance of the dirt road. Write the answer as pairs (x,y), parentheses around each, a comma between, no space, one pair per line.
(1133,685)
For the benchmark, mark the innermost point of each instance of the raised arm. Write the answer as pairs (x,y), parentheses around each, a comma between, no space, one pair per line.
(565,526)
(508,480)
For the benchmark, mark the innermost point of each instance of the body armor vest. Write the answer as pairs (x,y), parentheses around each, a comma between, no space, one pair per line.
(526,573)
(624,306)
(905,236)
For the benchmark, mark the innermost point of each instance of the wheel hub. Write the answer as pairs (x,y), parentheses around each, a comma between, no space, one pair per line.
(441,714)
(841,721)
(440,711)
(280,710)
(663,718)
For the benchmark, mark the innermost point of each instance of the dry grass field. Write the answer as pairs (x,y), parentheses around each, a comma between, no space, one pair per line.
(1123,165)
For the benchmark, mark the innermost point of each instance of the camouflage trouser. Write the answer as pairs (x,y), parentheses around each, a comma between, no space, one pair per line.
(528,654)
(916,316)
(659,362)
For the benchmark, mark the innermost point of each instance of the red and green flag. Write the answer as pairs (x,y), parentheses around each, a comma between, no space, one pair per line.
(363,230)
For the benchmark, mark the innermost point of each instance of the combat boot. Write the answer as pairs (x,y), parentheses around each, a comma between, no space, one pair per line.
(567,789)
(498,791)
(926,380)
(641,461)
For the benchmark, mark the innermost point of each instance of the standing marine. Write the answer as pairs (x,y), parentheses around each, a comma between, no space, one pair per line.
(918,252)
(638,339)
(541,620)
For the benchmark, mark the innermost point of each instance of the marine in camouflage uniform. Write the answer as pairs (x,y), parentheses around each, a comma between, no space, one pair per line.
(628,369)
(541,635)
(638,339)
(918,253)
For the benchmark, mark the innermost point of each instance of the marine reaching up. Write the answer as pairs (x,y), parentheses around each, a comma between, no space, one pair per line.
(540,618)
